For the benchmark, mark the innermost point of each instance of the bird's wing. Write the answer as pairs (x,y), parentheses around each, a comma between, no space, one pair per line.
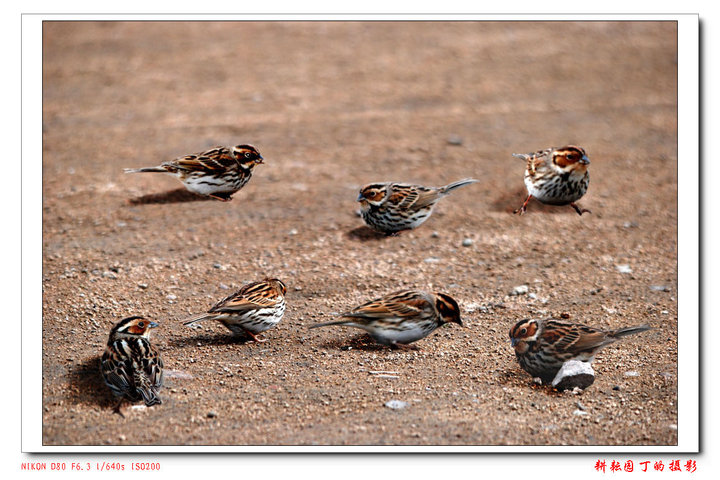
(215,160)
(250,297)
(573,338)
(399,305)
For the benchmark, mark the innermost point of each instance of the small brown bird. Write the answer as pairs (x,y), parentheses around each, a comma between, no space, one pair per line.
(402,317)
(391,208)
(556,176)
(543,346)
(131,366)
(256,307)
(217,173)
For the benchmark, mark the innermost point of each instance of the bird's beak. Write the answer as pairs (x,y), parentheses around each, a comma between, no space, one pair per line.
(585,160)
(513,342)
(259,160)
(153,325)
(360,198)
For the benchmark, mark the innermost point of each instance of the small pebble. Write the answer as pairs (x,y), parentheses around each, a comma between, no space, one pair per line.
(623,268)
(435,235)
(455,140)
(467,242)
(660,288)
(396,404)
(171,297)
(632,373)
(212,414)
(520,290)
(143,285)
(293,232)
(432,260)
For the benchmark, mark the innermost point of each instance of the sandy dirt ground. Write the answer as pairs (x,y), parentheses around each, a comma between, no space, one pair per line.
(333,106)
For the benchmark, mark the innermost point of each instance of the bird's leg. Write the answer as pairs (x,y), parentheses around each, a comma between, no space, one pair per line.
(117,408)
(579,210)
(222,199)
(255,338)
(522,209)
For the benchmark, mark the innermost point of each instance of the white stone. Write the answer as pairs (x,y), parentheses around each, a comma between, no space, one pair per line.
(574,373)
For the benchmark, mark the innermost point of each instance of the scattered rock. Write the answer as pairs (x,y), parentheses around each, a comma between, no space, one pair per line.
(632,373)
(660,288)
(142,285)
(520,290)
(177,374)
(454,140)
(396,404)
(623,268)
(435,235)
(467,242)
(212,414)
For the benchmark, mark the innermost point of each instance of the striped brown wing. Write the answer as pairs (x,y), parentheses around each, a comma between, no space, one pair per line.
(572,338)
(413,197)
(116,373)
(404,304)
(215,160)
(252,296)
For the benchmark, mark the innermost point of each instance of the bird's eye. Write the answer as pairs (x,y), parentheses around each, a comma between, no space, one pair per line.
(141,324)
(523,331)
(247,154)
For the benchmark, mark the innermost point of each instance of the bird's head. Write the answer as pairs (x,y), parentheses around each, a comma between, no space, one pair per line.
(570,159)
(132,327)
(448,309)
(522,333)
(372,194)
(247,155)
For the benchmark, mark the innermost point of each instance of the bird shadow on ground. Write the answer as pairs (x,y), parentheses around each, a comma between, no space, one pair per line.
(509,201)
(363,342)
(193,338)
(88,385)
(179,195)
(365,234)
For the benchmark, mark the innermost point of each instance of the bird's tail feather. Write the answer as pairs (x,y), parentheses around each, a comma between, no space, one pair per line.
(631,330)
(325,324)
(195,318)
(460,183)
(146,169)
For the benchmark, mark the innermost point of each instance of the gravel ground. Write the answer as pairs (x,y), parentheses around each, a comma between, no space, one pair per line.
(333,106)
